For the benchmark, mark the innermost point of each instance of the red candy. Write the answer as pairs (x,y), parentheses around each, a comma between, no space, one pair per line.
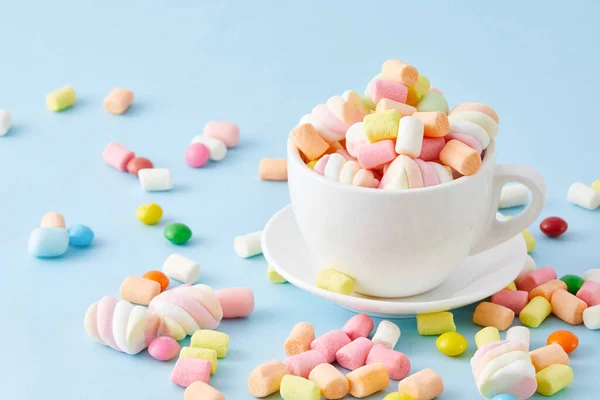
(138,163)
(554,226)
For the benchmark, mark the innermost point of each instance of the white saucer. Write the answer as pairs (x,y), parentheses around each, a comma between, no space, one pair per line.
(478,277)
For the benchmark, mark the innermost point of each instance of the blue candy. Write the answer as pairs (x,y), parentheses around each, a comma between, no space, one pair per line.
(48,242)
(503,397)
(80,235)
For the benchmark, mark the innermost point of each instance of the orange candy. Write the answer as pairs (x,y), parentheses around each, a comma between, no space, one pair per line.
(159,277)
(567,340)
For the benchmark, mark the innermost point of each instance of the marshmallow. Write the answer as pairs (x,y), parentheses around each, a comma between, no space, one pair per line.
(355,138)
(536,278)
(410,136)
(299,339)
(513,196)
(591,317)
(471,129)
(209,339)
(335,281)
(529,240)
(483,108)
(117,156)
(363,178)
(443,173)
(302,363)
(299,388)
(395,177)
(387,334)
(387,104)
(514,300)
(190,370)
(590,293)
(248,245)
(224,131)
(202,391)
(431,148)
(367,380)
(118,100)
(322,115)
(382,89)
(60,99)
(422,385)
(490,314)
(358,326)
(535,312)
(349,171)
(398,71)
(461,157)
(271,169)
(520,334)
(468,140)
(592,275)
(435,123)
(568,307)
(209,355)
(548,355)
(553,379)
(48,242)
(334,166)
(433,101)
(155,179)
(434,324)
(139,290)
(329,344)
(217,150)
(584,196)
(397,364)
(5,122)
(332,383)
(418,90)
(489,334)
(479,118)
(236,302)
(265,379)
(347,108)
(181,268)
(547,289)
(321,129)
(354,354)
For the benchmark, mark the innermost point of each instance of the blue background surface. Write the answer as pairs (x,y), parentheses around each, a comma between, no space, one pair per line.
(262,64)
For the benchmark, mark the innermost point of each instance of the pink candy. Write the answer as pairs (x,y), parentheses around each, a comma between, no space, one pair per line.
(190,370)
(397,364)
(226,132)
(466,139)
(358,326)
(430,177)
(197,155)
(536,278)
(374,155)
(516,300)
(323,116)
(164,348)
(590,293)
(431,148)
(236,302)
(329,344)
(354,354)
(301,364)
(381,89)
(321,164)
(117,156)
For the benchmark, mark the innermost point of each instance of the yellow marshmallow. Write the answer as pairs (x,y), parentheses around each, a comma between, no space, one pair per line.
(487,335)
(382,125)
(334,281)
(535,312)
(435,323)
(553,379)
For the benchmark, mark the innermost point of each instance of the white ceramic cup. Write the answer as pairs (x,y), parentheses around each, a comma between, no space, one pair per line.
(398,243)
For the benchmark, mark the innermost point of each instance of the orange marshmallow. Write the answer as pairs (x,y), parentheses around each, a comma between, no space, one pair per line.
(202,391)
(266,378)
(389,104)
(548,355)
(299,339)
(332,382)
(568,307)
(365,381)
(397,71)
(52,220)
(334,147)
(422,385)
(461,157)
(139,290)
(273,169)
(482,108)
(306,138)
(547,289)
(118,100)
(436,123)
(490,314)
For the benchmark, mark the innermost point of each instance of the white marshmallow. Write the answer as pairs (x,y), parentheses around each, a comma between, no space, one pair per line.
(355,138)
(513,196)
(119,324)
(395,176)
(479,118)
(528,267)
(503,381)
(327,134)
(348,172)
(217,149)
(443,174)
(206,296)
(181,268)
(368,88)
(363,178)
(155,179)
(410,136)
(248,245)
(591,317)
(334,166)
(584,196)
(471,129)
(5,122)
(592,275)
(520,334)
(387,334)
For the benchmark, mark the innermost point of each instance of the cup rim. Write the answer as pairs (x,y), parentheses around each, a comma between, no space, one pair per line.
(295,161)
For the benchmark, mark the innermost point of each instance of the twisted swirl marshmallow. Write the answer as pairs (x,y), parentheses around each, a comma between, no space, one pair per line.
(121,325)
(186,309)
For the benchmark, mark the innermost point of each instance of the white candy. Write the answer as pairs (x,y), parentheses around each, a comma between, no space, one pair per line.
(471,129)
(528,267)
(584,196)
(592,275)
(334,166)
(348,172)
(395,176)
(513,196)
(327,134)
(5,122)
(443,174)
(591,317)
(519,334)
(355,137)
(248,245)
(181,268)
(217,149)
(363,178)
(479,118)
(504,379)
(387,334)
(410,136)
(155,179)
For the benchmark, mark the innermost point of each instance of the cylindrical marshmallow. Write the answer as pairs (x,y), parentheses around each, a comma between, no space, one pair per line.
(354,354)
(329,343)
(299,388)
(5,122)
(461,157)
(515,300)
(592,275)
(272,169)
(584,196)
(513,196)
(300,338)
(520,334)
(248,245)
(334,166)
(117,156)
(483,108)
(349,171)
(410,136)
(216,148)
(590,293)
(591,317)
(471,129)
(190,370)
(568,307)
(397,364)
(265,379)
(236,302)
(528,268)
(381,89)
(376,154)
(536,278)
(181,268)
(535,312)
(202,391)
(332,382)
(118,100)
(423,385)
(436,123)
(363,178)
(443,173)
(301,364)
(548,355)
(155,179)
(226,132)
(387,334)
(398,71)
(479,118)
(489,334)
(431,148)
(369,379)
(138,290)
(547,289)
(355,138)
(52,220)
(358,326)
(490,314)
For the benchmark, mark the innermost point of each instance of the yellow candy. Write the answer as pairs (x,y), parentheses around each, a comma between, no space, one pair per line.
(398,396)
(382,125)
(487,335)
(435,323)
(298,388)
(149,213)
(204,354)
(553,379)
(416,92)
(529,240)
(596,185)
(511,286)
(274,276)
(535,312)
(334,281)
(452,344)
(207,339)
(312,164)
(60,99)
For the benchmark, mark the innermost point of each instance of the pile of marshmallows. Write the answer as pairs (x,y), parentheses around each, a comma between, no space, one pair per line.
(52,238)
(400,136)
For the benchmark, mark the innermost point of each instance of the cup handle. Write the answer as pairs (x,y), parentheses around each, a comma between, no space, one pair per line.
(500,231)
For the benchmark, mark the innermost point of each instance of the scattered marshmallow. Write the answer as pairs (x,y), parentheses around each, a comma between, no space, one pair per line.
(387,334)
(226,132)
(139,290)
(584,196)
(118,101)
(299,339)
(248,245)
(216,148)
(5,122)
(190,370)
(117,156)
(155,179)
(236,302)
(181,268)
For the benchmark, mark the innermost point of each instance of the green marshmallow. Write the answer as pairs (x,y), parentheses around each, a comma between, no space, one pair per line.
(433,102)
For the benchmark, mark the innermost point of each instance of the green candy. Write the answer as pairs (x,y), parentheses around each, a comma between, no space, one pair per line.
(433,102)
(178,233)
(574,283)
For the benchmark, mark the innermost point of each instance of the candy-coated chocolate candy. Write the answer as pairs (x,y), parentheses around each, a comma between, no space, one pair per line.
(178,233)
(80,235)
(452,344)
(567,340)
(159,277)
(149,213)
(136,163)
(554,226)
(197,155)
(574,283)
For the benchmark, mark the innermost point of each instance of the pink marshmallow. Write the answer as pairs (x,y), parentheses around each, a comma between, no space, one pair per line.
(117,156)
(189,370)
(196,310)
(375,183)
(536,278)
(373,155)
(358,326)
(430,177)
(226,132)
(381,89)
(354,354)
(301,364)
(524,388)
(590,293)
(397,364)
(319,167)
(516,300)
(323,115)
(236,302)
(106,309)
(345,154)
(330,343)
(466,139)
(431,148)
